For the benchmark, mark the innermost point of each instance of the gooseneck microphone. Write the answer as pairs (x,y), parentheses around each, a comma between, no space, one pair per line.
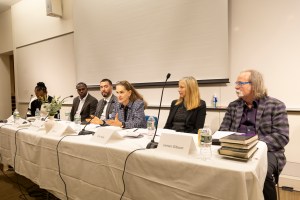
(71,96)
(152,144)
(85,132)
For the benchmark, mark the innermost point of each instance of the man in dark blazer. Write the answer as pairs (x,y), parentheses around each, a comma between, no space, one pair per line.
(85,104)
(106,105)
(255,112)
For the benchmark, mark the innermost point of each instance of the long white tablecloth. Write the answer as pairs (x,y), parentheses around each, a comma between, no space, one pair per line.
(94,171)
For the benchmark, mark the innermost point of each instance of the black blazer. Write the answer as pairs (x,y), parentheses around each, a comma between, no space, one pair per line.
(195,118)
(88,108)
(37,104)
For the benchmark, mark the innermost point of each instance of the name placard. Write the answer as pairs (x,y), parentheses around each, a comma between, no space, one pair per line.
(180,144)
(60,129)
(104,134)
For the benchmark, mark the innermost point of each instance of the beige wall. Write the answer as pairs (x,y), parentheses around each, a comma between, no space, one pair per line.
(6,48)
(43,50)
(6,42)
(264,35)
(31,23)
(5,94)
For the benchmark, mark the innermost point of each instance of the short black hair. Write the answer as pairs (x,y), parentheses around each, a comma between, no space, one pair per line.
(81,83)
(106,80)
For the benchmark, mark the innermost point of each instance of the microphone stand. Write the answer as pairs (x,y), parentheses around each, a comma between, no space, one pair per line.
(152,144)
(85,132)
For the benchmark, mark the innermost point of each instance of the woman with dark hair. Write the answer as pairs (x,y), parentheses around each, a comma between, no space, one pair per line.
(129,110)
(40,91)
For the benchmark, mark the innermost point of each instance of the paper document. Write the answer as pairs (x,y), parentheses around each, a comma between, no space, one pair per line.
(219,134)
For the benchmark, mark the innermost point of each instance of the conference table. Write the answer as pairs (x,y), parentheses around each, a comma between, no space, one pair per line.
(79,167)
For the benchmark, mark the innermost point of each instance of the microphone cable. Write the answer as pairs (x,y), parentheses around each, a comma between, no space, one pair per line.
(59,173)
(22,196)
(16,149)
(123,174)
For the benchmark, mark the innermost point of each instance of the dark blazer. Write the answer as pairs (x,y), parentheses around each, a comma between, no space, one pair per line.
(195,118)
(37,104)
(88,108)
(271,124)
(110,107)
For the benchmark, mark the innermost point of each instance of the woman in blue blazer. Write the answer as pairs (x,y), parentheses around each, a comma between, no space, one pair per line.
(129,110)
(187,114)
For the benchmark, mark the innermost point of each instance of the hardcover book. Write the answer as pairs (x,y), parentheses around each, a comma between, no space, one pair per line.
(240,146)
(240,153)
(239,138)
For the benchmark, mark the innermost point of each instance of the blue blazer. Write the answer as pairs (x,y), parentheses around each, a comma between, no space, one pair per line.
(135,114)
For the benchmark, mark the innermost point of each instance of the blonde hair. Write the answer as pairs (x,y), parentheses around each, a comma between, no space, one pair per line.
(257,83)
(192,94)
(134,93)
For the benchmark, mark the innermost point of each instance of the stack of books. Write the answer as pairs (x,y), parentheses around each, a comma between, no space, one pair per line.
(240,146)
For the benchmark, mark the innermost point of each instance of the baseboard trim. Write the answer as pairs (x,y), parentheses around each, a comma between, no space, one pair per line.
(289,181)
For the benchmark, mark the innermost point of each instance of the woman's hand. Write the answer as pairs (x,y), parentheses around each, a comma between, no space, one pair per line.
(95,120)
(114,122)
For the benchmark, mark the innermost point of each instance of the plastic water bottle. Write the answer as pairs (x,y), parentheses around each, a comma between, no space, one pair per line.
(37,114)
(77,120)
(215,100)
(16,115)
(205,140)
(151,126)
(67,115)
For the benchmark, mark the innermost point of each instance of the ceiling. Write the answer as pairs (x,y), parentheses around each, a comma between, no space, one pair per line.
(5,4)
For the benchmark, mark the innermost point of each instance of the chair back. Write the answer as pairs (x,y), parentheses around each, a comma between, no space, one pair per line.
(155,118)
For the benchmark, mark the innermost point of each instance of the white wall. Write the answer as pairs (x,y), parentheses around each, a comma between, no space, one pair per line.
(264,35)
(5,94)
(6,47)
(6,42)
(31,23)
(43,50)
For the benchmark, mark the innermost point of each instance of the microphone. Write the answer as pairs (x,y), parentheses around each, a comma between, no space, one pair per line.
(152,144)
(85,132)
(71,96)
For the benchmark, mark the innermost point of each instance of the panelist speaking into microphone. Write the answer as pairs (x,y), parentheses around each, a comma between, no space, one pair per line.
(187,113)
(128,111)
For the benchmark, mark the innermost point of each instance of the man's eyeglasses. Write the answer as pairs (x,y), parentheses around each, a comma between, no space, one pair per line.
(241,83)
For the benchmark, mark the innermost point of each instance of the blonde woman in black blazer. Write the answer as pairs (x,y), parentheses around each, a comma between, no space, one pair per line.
(187,114)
